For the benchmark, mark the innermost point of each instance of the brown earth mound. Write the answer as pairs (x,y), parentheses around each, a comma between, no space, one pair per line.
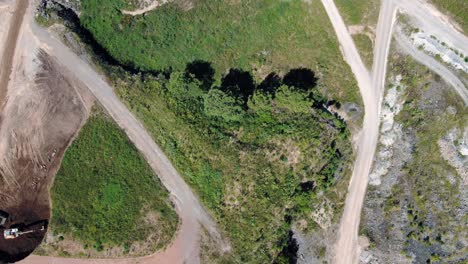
(37,125)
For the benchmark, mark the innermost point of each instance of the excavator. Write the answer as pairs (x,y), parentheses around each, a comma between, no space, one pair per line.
(13,233)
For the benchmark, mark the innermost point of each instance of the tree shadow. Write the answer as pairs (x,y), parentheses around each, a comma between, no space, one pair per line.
(301,78)
(3,218)
(239,84)
(202,71)
(290,250)
(270,84)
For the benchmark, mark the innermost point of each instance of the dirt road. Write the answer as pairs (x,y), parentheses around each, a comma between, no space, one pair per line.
(192,213)
(346,248)
(42,114)
(431,63)
(9,47)
(429,19)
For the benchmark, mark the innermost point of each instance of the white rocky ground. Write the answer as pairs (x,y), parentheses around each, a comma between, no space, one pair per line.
(432,45)
(454,149)
(390,131)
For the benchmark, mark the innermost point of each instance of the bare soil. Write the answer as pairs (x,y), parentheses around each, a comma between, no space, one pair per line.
(37,125)
(9,47)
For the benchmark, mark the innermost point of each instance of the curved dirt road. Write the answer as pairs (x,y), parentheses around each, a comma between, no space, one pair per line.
(8,51)
(431,20)
(433,65)
(185,247)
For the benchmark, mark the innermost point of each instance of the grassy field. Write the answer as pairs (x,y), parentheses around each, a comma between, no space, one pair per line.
(458,9)
(364,13)
(365,47)
(258,36)
(359,11)
(104,190)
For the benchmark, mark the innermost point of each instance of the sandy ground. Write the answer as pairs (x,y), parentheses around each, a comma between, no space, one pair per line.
(9,46)
(32,150)
(6,11)
(155,4)
(43,110)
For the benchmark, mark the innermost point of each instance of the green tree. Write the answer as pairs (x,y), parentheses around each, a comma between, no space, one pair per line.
(292,100)
(261,104)
(186,95)
(218,104)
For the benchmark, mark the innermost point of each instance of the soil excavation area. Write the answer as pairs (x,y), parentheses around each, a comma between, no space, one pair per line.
(40,119)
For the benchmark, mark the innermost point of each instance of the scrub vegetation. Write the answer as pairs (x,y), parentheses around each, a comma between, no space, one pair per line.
(239,103)
(105,189)
(419,209)
(256,36)
(261,156)
(433,193)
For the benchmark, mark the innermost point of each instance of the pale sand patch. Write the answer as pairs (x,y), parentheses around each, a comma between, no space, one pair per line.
(150,7)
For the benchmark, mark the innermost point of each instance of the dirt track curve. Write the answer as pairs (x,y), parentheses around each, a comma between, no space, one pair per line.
(9,48)
(431,63)
(185,248)
(152,6)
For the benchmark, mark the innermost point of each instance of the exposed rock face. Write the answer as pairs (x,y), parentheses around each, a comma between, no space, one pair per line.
(74,5)
(391,132)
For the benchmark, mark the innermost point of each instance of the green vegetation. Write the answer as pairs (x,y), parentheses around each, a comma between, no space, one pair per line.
(256,154)
(359,11)
(457,8)
(249,131)
(425,193)
(257,36)
(365,47)
(104,189)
